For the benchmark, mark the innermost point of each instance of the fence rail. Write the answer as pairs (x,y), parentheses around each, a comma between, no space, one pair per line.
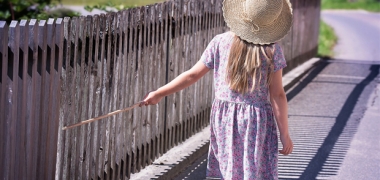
(59,72)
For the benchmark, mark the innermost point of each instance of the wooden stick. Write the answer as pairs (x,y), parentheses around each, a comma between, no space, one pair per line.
(103,116)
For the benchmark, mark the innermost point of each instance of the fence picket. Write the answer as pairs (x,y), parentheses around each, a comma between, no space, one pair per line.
(24,84)
(152,65)
(129,90)
(52,63)
(143,74)
(59,48)
(13,75)
(103,94)
(81,98)
(119,96)
(87,40)
(96,78)
(66,102)
(3,74)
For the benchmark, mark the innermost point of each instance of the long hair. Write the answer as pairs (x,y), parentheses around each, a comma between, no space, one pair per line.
(244,65)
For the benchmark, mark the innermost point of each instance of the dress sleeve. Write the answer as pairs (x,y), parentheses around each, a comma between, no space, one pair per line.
(208,55)
(278,58)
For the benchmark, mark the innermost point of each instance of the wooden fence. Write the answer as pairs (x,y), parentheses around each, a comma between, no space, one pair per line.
(58,72)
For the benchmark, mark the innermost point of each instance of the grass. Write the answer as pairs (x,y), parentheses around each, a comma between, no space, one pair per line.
(115,2)
(327,40)
(369,5)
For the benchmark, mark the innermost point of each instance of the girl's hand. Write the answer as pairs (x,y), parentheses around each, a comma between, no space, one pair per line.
(287,144)
(151,98)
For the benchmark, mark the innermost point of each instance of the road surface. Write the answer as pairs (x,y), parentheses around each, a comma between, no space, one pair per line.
(334,111)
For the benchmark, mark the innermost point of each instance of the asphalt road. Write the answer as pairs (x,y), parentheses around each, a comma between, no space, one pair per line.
(334,111)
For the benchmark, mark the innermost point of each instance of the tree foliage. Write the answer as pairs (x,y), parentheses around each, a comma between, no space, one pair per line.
(107,7)
(31,9)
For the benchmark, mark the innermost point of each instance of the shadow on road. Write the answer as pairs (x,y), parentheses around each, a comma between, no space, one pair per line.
(327,159)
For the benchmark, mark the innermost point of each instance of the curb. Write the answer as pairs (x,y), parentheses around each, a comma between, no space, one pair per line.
(293,76)
(177,158)
(197,145)
(203,149)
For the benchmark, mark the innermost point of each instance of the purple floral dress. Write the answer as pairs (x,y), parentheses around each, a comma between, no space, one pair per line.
(243,143)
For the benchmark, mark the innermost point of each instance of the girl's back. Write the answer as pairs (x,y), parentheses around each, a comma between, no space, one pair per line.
(216,57)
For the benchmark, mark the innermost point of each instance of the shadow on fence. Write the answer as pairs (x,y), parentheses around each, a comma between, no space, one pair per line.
(59,72)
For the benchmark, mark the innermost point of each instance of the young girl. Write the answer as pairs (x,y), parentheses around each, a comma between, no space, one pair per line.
(247,64)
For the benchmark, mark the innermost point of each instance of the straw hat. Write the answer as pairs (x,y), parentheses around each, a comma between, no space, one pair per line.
(258,21)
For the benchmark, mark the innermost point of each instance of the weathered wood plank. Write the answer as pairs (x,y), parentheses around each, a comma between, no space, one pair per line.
(59,48)
(116,156)
(80,88)
(101,89)
(167,35)
(13,75)
(133,82)
(108,95)
(106,53)
(122,136)
(152,69)
(161,49)
(42,81)
(80,95)
(143,78)
(97,89)
(52,62)
(32,130)
(94,100)
(146,63)
(200,97)
(185,51)
(73,97)
(176,70)
(65,103)
(23,84)
(129,91)
(114,87)
(200,49)
(138,87)
(156,59)
(3,74)
(88,94)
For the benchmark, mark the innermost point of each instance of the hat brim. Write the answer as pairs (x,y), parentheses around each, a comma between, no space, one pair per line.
(268,34)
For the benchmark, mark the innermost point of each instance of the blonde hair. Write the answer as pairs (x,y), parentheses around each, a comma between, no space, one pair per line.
(244,64)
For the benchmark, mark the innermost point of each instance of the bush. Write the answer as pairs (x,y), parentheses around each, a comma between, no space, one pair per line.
(327,41)
(31,9)
(369,5)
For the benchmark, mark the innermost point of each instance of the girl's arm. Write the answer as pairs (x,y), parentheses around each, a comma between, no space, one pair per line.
(182,81)
(280,109)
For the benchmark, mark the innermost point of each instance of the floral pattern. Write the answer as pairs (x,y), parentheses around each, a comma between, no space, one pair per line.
(243,143)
